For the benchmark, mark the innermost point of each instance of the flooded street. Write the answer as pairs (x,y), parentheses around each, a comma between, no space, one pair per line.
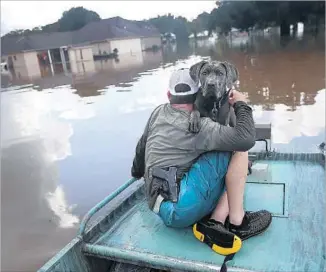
(68,140)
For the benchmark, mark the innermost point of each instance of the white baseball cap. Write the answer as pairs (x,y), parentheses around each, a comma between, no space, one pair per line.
(182,84)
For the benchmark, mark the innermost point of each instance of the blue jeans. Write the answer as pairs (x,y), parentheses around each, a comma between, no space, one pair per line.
(200,190)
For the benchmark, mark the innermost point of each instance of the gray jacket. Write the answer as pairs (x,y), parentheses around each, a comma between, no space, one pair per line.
(167,142)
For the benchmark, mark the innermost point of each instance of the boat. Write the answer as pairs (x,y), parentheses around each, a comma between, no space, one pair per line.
(129,237)
(4,67)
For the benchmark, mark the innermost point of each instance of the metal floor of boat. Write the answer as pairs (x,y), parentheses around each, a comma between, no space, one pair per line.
(293,190)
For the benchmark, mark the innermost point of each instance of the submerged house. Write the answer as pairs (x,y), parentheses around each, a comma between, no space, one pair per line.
(74,50)
(117,33)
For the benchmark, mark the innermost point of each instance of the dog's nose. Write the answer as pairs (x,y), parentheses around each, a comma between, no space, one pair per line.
(210,85)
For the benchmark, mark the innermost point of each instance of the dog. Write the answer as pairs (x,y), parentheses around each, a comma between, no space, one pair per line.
(216,79)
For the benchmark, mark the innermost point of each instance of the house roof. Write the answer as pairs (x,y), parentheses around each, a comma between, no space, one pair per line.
(112,28)
(39,41)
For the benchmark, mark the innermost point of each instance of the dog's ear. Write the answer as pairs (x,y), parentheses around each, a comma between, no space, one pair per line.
(232,74)
(195,70)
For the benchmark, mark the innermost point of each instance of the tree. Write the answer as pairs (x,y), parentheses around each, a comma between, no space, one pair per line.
(71,20)
(203,19)
(227,14)
(76,18)
(168,23)
(37,29)
(199,24)
(51,27)
(246,14)
(221,20)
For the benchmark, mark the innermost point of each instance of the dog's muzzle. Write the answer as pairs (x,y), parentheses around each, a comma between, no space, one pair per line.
(211,91)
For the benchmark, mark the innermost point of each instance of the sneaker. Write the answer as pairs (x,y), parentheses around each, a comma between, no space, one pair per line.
(253,223)
(217,237)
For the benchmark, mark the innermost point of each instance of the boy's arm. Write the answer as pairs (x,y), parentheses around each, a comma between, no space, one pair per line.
(138,165)
(213,136)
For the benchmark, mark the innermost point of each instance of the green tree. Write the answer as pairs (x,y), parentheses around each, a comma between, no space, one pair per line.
(243,14)
(76,18)
(199,24)
(51,27)
(220,20)
(203,19)
(260,14)
(168,23)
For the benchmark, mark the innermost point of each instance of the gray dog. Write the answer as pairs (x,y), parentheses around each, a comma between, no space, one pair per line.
(216,79)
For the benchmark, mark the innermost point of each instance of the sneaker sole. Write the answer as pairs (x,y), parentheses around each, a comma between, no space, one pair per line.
(237,243)
(258,233)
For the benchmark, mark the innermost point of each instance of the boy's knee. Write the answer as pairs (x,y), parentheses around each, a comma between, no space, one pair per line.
(178,223)
(175,221)
(179,218)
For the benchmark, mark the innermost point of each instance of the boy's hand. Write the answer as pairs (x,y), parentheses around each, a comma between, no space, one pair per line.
(236,96)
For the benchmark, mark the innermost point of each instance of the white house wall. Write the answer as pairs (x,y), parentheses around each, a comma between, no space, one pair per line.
(100,48)
(130,46)
(32,64)
(149,42)
(25,65)
(72,59)
(18,60)
(81,60)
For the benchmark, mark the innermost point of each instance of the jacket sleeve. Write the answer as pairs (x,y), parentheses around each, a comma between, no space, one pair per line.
(138,166)
(213,136)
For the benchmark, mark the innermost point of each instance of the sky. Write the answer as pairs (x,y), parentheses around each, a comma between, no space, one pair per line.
(29,14)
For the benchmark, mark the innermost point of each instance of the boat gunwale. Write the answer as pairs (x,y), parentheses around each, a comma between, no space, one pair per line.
(154,261)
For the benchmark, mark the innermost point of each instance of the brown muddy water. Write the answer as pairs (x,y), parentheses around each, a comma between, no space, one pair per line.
(68,140)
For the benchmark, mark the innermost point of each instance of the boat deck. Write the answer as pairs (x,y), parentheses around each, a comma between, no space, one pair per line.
(294,191)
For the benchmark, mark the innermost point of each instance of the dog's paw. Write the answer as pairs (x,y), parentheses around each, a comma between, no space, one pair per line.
(194,121)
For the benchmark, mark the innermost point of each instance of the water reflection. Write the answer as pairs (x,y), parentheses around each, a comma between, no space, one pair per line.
(30,223)
(68,139)
(296,130)
(58,205)
(110,73)
(34,205)
(271,75)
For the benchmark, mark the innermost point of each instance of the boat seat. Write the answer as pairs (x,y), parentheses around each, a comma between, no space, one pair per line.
(264,133)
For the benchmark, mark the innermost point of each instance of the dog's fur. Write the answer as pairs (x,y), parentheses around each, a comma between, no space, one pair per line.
(216,79)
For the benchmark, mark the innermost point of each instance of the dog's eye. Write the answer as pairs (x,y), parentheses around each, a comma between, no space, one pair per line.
(219,73)
(204,73)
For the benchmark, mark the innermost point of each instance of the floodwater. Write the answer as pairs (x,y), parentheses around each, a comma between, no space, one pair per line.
(68,141)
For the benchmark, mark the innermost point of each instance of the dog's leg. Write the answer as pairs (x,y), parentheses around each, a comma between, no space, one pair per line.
(197,112)
(194,121)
